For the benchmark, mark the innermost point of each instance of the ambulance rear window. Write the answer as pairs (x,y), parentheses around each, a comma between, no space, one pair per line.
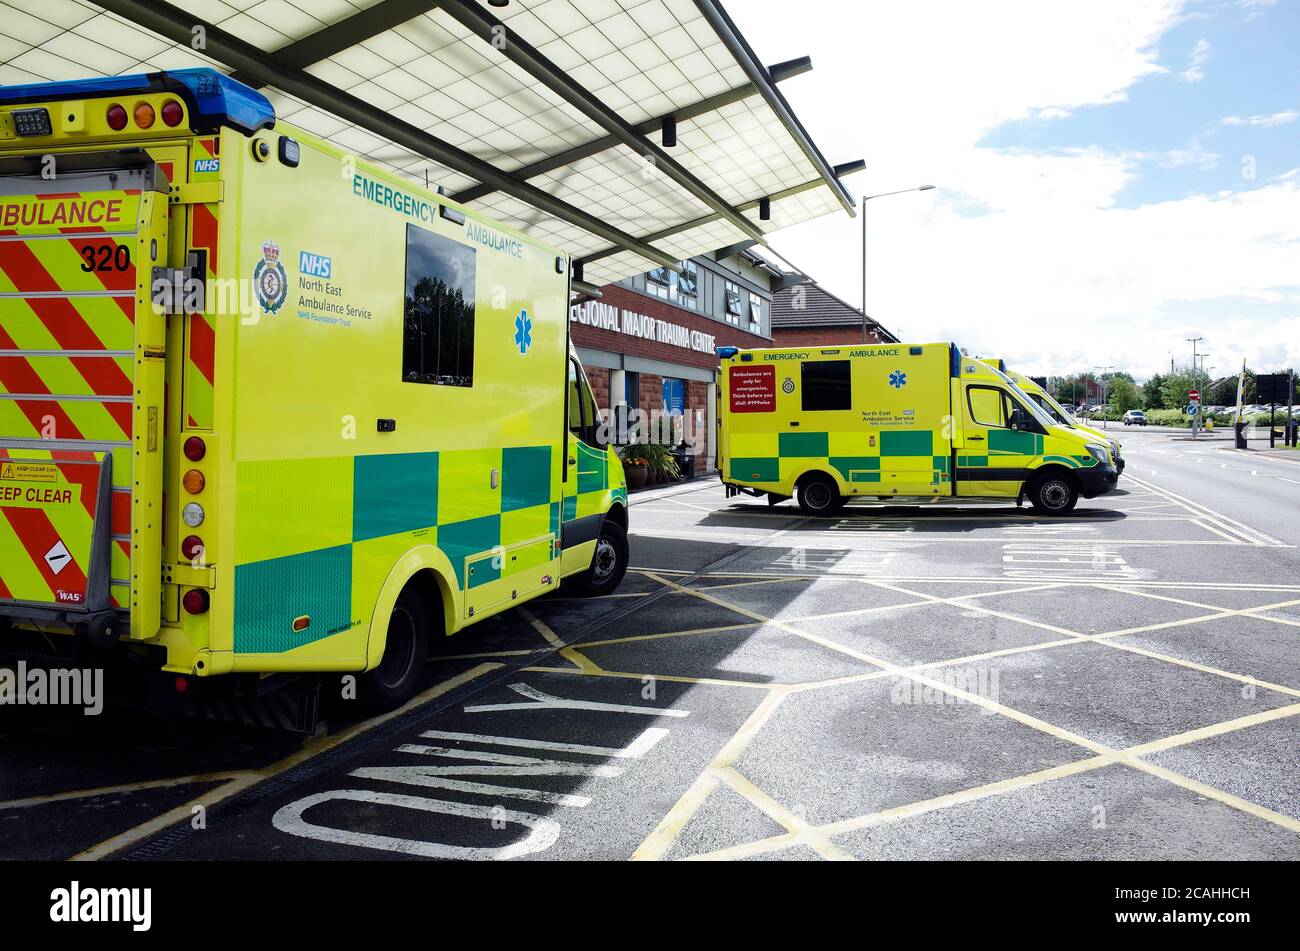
(827,384)
(438,341)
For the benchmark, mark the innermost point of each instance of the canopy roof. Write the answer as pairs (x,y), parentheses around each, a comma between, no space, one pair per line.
(553,116)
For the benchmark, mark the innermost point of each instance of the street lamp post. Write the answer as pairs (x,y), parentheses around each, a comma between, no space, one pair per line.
(1104,400)
(865,199)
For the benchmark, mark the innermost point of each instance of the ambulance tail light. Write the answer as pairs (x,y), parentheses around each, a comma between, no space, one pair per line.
(172,113)
(195,601)
(144,115)
(116,117)
(195,449)
(193,481)
(192,548)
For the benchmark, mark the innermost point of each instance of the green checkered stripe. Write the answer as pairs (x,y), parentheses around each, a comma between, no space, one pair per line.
(356,502)
(863,468)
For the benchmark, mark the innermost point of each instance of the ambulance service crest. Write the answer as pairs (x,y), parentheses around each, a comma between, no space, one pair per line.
(270,283)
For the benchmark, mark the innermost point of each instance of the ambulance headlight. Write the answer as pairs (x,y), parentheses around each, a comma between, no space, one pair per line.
(193,514)
(1099,453)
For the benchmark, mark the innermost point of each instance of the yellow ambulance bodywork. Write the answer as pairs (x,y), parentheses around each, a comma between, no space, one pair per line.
(891,420)
(380,382)
(1058,412)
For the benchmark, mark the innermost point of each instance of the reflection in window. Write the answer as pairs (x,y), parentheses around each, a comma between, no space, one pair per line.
(438,341)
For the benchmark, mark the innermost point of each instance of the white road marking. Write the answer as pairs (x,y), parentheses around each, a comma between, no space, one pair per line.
(542,833)
(544,701)
(634,750)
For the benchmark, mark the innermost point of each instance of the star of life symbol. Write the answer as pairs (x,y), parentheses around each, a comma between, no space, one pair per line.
(523,331)
(897,379)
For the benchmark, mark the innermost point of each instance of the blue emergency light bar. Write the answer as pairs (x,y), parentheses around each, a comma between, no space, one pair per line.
(726,353)
(213,98)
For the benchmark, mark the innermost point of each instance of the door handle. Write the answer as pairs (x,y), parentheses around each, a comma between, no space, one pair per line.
(975,438)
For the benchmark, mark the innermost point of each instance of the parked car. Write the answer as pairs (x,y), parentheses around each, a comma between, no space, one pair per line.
(1135,417)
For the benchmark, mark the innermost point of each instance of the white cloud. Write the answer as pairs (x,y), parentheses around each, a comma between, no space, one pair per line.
(1266,121)
(1050,273)
(1199,56)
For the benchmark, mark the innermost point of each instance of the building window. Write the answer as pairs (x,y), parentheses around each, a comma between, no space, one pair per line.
(682,289)
(827,385)
(688,284)
(438,342)
(732,304)
(755,313)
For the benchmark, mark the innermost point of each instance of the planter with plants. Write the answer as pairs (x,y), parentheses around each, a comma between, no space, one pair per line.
(648,464)
(636,467)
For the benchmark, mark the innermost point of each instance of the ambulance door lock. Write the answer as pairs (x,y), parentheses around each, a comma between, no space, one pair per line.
(181,290)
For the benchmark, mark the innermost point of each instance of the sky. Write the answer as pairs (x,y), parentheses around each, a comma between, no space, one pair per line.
(1112,176)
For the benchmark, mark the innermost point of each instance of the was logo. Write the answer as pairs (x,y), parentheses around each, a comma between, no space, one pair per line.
(270,282)
(898,379)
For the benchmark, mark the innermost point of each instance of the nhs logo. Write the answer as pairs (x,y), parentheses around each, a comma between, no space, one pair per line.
(317,265)
(207,165)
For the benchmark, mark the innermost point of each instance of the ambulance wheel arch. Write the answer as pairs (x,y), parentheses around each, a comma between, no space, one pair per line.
(1052,490)
(818,492)
(428,571)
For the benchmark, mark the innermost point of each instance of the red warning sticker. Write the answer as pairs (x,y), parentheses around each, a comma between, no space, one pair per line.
(752,389)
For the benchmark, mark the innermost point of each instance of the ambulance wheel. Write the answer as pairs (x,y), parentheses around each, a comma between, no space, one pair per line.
(819,495)
(406,649)
(608,563)
(1053,494)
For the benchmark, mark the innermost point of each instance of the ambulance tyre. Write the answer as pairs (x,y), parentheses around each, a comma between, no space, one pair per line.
(608,563)
(406,649)
(1053,493)
(819,495)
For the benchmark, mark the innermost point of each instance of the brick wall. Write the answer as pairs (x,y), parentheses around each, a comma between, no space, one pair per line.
(598,377)
(820,337)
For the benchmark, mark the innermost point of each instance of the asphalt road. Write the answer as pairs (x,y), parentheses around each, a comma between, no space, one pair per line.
(930,681)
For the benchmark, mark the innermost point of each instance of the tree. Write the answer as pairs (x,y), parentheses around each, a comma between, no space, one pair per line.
(1153,392)
(1176,387)
(1124,394)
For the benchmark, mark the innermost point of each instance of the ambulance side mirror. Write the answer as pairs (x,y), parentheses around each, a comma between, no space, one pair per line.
(1019,419)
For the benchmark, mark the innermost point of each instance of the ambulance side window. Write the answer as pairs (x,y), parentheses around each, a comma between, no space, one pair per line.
(827,384)
(438,317)
(988,406)
(584,418)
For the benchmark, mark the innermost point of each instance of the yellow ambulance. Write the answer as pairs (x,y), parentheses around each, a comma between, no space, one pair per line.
(823,425)
(268,409)
(1058,412)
